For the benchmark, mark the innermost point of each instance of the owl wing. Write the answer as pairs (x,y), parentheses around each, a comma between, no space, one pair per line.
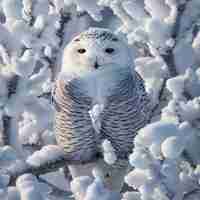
(73,127)
(126,112)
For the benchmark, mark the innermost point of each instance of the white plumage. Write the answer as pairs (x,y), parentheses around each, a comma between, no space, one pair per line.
(98,73)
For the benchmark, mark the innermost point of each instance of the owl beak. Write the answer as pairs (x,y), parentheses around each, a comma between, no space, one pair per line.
(96,65)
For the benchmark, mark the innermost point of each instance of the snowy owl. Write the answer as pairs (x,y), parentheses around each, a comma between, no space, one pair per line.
(98,95)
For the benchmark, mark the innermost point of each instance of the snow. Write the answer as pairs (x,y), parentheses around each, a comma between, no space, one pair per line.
(39,23)
(21,64)
(97,191)
(79,186)
(4,180)
(95,116)
(172,147)
(153,70)
(12,8)
(176,86)
(86,188)
(184,56)
(136,178)
(90,6)
(29,188)
(59,5)
(158,9)
(135,9)
(47,153)
(131,196)
(166,154)
(155,132)
(7,156)
(108,152)
(58,179)
(159,32)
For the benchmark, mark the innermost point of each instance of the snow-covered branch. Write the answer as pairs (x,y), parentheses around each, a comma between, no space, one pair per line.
(48,159)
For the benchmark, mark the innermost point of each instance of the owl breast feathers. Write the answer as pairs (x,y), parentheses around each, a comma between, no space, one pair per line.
(126,109)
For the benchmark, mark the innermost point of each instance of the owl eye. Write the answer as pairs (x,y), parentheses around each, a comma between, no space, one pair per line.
(109,50)
(81,51)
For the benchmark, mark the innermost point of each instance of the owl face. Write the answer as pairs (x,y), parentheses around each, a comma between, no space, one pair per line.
(95,50)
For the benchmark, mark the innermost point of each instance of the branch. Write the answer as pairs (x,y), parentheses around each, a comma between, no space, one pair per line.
(187,195)
(5,133)
(168,56)
(12,84)
(50,165)
(22,167)
(64,19)
(160,97)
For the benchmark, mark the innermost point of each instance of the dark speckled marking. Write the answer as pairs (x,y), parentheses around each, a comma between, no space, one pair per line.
(97,33)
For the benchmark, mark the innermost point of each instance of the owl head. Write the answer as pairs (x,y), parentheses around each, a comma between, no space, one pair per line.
(93,50)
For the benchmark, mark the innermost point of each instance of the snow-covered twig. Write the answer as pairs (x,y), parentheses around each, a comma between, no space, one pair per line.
(169,59)
(6,120)
(64,19)
(169,56)
(160,97)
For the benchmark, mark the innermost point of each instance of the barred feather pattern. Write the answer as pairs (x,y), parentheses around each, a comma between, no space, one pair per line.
(73,126)
(127,110)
